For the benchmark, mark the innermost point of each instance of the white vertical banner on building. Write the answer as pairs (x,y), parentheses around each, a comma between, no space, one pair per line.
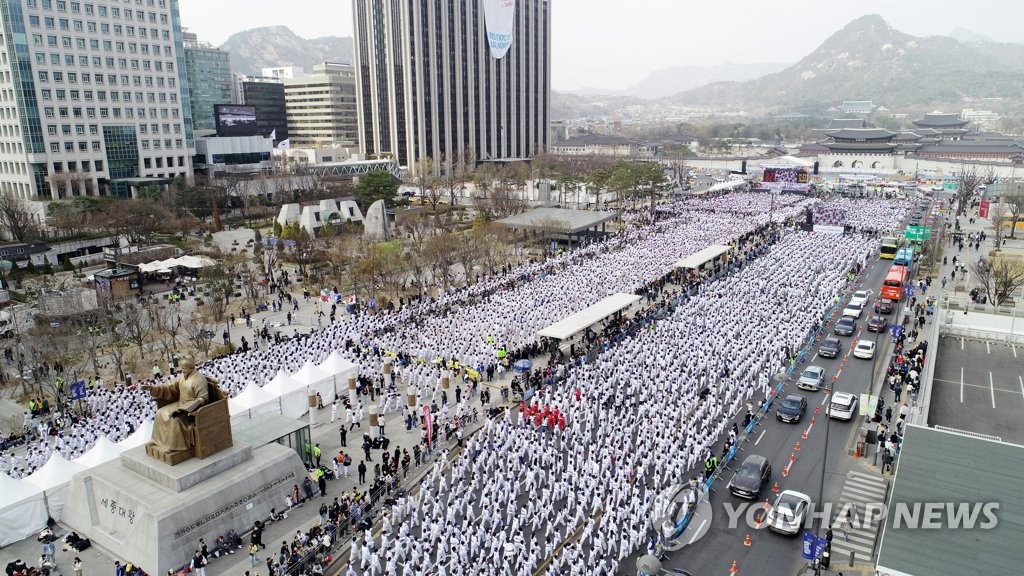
(499,17)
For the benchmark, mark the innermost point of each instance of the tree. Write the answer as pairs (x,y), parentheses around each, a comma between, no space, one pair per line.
(17,218)
(427,182)
(967,181)
(1015,204)
(439,256)
(454,174)
(999,277)
(378,185)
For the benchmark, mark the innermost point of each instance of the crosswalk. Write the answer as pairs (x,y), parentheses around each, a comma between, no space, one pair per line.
(859,490)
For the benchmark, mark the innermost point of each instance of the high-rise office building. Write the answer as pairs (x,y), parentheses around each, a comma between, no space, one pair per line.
(266,95)
(209,80)
(321,107)
(93,92)
(430,86)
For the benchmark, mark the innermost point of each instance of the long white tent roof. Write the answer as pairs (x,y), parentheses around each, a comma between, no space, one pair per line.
(587,317)
(698,259)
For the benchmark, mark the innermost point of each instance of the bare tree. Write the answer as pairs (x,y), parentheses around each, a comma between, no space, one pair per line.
(967,180)
(1014,200)
(1000,277)
(199,333)
(439,256)
(59,184)
(427,182)
(18,218)
(166,322)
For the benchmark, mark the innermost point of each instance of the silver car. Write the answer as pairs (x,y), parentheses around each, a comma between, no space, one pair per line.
(812,378)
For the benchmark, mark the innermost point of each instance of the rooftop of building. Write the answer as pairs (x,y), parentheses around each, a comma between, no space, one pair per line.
(941,119)
(945,467)
(562,220)
(862,134)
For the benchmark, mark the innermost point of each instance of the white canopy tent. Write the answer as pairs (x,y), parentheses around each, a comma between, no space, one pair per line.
(291,394)
(698,259)
(141,435)
(340,370)
(587,317)
(22,510)
(102,451)
(54,479)
(726,186)
(317,381)
(253,400)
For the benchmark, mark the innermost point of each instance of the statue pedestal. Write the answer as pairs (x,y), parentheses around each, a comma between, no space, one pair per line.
(188,473)
(154,514)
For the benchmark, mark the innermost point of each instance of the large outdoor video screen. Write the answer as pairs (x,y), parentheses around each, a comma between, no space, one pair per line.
(235,120)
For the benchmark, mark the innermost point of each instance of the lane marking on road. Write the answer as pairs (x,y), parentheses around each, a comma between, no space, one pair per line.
(993,387)
(1021,378)
(988,349)
(758,441)
(698,532)
(961,384)
(815,357)
(961,343)
(972,385)
(825,399)
(1014,348)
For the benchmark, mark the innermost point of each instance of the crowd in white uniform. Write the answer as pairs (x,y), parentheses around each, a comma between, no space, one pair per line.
(862,213)
(519,491)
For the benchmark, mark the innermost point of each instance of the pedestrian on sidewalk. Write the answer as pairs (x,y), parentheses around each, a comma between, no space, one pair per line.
(343,433)
(253,558)
(77,566)
(334,414)
(362,471)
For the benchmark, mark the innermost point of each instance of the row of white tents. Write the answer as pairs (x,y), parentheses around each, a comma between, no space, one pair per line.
(183,261)
(25,504)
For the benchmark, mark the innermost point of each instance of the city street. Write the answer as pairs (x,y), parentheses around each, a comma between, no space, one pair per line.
(715,551)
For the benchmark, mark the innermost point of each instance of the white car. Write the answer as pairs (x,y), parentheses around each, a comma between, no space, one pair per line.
(788,513)
(842,406)
(865,350)
(853,310)
(860,297)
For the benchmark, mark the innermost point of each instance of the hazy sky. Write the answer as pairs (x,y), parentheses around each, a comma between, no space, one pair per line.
(615,43)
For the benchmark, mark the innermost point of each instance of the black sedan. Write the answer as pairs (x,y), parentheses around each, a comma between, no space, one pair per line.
(830,347)
(877,324)
(792,409)
(884,306)
(845,326)
(751,477)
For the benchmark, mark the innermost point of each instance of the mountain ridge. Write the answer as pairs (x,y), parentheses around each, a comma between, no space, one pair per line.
(870,60)
(271,46)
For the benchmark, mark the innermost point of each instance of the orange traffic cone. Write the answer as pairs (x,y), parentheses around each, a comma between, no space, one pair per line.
(812,420)
(766,504)
(792,457)
(734,569)
(785,472)
(804,436)
(746,541)
(774,489)
(797,447)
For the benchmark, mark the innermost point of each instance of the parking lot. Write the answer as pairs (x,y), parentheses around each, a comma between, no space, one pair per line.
(979,387)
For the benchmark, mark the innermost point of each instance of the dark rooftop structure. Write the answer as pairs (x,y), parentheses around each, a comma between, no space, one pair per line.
(861,140)
(941,120)
(945,467)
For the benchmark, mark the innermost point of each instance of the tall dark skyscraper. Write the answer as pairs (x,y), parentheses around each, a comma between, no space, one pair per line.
(429,84)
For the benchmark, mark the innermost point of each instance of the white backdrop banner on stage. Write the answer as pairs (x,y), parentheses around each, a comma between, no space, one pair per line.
(500,17)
